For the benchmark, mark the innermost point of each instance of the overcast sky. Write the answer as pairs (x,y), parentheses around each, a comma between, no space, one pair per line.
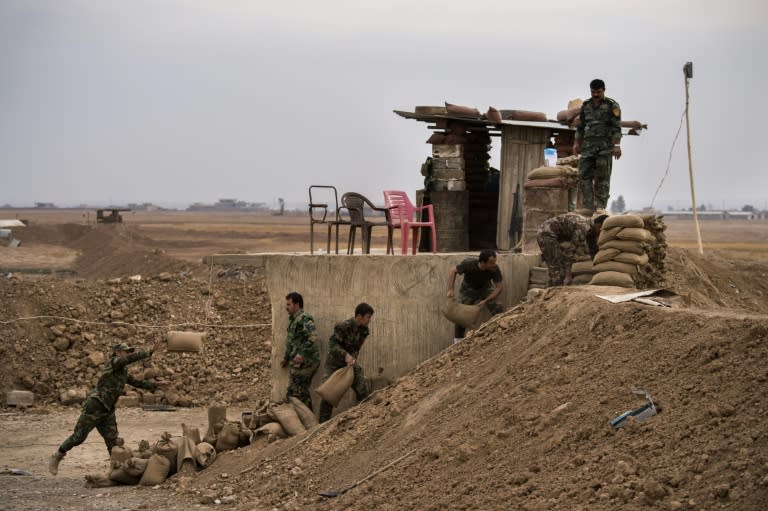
(173,102)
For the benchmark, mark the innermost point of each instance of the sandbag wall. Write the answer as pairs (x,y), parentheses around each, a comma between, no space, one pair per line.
(625,250)
(546,193)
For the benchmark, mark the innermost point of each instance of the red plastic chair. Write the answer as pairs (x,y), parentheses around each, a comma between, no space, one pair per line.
(407,217)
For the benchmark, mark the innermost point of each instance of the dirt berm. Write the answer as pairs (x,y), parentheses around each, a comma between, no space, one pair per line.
(517,417)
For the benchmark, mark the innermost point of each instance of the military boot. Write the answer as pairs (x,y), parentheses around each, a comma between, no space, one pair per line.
(53,462)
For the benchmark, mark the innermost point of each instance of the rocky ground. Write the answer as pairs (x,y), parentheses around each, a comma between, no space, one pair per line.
(515,417)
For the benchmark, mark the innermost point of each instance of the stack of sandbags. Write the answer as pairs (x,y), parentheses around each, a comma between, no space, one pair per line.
(622,251)
(582,272)
(539,278)
(571,114)
(546,193)
(652,275)
(281,420)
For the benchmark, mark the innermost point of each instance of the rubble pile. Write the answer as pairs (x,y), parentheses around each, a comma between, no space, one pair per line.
(59,334)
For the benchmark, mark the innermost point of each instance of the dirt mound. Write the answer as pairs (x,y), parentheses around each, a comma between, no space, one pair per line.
(52,327)
(517,417)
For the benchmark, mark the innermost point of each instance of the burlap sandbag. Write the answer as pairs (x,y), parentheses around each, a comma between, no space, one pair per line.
(217,417)
(634,234)
(120,452)
(460,314)
(629,269)
(120,475)
(305,414)
(550,172)
(228,437)
(185,457)
(569,114)
(244,435)
(633,247)
(622,221)
(135,467)
(580,280)
(205,453)
(191,342)
(286,415)
(628,257)
(581,267)
(612,278)
(605,254)
(333,389)
(166,447)
(607,235)
(156,472)
(272,430)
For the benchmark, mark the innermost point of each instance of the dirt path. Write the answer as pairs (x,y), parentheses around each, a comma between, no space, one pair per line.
(31,437)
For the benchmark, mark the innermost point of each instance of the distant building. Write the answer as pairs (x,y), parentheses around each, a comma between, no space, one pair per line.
(45,205)
(688,215)
(741,215)
(229,205)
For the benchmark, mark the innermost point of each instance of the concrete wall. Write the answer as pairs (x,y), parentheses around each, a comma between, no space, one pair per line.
(406,293)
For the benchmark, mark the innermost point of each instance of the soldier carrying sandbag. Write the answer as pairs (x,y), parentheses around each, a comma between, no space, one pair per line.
(344,347)
(99,408)
(560,240)
(481,285)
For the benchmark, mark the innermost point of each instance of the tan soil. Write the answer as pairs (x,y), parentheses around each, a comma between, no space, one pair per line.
(515,417)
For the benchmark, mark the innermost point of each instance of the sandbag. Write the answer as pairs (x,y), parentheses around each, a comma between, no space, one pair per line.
(244,435)
(607,235)
(191,433)
(118,474)
(634,234)
(308,418)
(99,481)
(460,314)
(333,389)
(628,257)
(272,430)
(466,111)
(580,280)
(436,138)
(569,114)
(185,341)
(156,472)
(135,467)
(634,247)
(185,457)
(580,267)
(552,182)
(217,417)
(612,278)
(605,254)
(120,452)
(205,454)
(550,172)
(228,437)
(493,115)
(622,221)
(286,415)
(575,103)
(629,269)
(166,447)
(633,124)
(524,115)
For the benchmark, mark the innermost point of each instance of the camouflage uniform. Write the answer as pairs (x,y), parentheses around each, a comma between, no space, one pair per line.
(569,229)
(99,408)
(302,340)
(598,131)
(476,287)
(347,337)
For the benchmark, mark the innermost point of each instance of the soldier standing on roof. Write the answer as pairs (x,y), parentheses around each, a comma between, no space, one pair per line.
(578,232)
(99,408)
(302,355)
(481,285)
(598,138)
(343,349)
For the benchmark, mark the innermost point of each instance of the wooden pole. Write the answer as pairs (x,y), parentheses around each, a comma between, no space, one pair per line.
(690,169)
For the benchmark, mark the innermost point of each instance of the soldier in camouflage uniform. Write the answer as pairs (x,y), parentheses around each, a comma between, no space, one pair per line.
(561,238)
(302,355)
(343,349)
(481,285)
(598,135)
(99,408)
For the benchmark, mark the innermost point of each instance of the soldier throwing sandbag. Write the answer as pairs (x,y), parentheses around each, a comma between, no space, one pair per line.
(560,239)
(302,356)
(343,349)
(99,408)
(481,285)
